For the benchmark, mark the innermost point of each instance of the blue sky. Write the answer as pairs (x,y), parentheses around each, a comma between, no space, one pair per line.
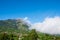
(35,10)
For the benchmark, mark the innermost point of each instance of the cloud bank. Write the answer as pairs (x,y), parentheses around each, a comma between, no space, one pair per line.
(49,25)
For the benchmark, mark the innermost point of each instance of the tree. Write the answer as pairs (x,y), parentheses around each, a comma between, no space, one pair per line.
(33,35)
(11,37)
(5,36)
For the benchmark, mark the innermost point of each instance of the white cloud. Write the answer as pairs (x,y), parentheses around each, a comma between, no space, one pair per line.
(27,21)
(49,25)
(26,18)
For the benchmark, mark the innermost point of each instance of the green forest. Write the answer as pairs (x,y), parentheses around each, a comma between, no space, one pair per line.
(13,29)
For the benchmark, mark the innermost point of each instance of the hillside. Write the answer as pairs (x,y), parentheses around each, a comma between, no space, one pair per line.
(13,25)
(17,28)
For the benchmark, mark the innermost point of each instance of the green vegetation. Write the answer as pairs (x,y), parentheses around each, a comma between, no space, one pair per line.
(18,30)
(32,35)
(7,36)
(13,25)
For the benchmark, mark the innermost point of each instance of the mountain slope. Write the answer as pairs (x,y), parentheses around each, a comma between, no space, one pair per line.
(12,25)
